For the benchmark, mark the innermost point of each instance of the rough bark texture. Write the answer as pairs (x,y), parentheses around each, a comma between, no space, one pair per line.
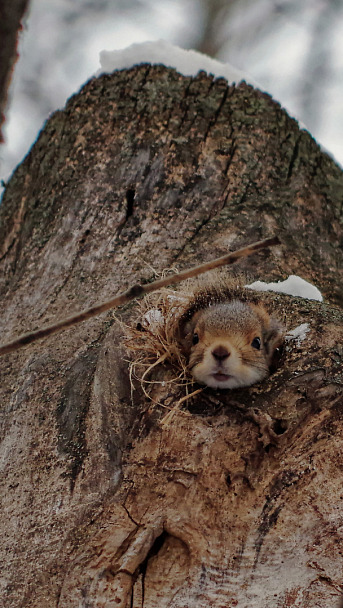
(11,14)
(238,501)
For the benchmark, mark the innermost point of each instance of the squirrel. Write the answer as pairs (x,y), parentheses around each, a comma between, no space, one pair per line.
(215,331)
(231,344)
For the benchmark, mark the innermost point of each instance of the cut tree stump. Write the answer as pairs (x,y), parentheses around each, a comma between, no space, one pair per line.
(238,500)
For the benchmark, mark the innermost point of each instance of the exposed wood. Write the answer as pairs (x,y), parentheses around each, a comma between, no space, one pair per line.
(238,500)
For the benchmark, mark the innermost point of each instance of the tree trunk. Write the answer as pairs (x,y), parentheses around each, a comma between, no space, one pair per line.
(238,500)
(11,14)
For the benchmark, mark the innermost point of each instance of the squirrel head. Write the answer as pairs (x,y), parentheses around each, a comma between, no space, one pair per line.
(230,344)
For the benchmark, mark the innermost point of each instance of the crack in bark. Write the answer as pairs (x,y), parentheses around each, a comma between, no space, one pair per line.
(233,149)
(204,222)
(154,550)
(191,106)
(130,197)
(294,157)
(171,113)
(241,199)
(143,585)
(213,121)
(270,512)
(130,516)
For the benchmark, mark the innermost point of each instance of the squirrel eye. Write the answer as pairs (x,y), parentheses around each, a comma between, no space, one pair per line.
(256,343)
(195,339)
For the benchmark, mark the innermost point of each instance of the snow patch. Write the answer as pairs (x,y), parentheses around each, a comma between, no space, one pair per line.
(187,62)
(153,319)
(298,334)
(176,298)
(293,286)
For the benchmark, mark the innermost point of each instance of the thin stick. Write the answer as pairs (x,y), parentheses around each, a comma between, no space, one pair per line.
(134,292)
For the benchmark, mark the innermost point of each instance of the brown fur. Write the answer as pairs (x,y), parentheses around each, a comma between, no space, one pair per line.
(223,313)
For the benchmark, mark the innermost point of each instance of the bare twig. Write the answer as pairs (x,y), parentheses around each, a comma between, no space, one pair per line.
(167,418)
(134,292)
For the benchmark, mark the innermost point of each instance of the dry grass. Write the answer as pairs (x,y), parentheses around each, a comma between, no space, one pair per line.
(153,341)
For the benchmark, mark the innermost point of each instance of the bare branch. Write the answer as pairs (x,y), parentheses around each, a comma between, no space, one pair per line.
(134,292)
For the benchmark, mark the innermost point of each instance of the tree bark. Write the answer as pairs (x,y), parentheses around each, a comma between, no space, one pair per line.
(238,500)
(11,14)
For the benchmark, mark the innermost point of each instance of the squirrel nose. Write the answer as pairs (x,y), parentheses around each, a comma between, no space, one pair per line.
(220,353)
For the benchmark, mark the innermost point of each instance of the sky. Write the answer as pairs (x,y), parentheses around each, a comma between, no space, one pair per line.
(62,39)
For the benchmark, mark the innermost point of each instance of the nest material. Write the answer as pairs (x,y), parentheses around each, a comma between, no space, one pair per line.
(154,341)
(155,347)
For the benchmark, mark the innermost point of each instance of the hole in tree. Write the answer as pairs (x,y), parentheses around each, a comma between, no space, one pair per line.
(130,197)
(86,233)
(278,359)
(228,480)
(154,549)
(279,426)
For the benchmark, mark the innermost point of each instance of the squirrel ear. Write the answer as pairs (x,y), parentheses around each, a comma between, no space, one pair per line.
(187,328)
(186,331)
(273,338)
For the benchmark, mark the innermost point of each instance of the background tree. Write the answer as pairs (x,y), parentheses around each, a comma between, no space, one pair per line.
(237,501)
(11,14)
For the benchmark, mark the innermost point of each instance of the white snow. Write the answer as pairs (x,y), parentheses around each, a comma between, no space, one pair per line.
(152,319)
(176,297)
(294,286)
(299,333)
(187,62)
